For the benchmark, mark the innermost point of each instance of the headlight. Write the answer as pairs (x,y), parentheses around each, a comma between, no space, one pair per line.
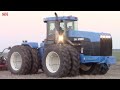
(105,36)
(108,36)
(60,38)
(102,36)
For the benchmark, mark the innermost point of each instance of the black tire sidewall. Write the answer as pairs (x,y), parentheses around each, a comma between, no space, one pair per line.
(56,49)
(15,49)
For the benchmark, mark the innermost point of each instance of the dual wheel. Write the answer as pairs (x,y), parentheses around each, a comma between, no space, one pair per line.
(64,60)
(58,61)
(23,60)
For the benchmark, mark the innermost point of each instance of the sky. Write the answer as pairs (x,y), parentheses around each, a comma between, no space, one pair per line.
(29,25)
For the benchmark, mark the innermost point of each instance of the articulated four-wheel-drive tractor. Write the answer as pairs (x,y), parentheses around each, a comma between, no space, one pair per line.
(65,51)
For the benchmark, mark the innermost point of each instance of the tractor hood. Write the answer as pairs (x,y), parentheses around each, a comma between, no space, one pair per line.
(94,44)
(93,36)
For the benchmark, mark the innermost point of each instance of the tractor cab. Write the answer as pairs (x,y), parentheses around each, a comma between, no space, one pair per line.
(58,26)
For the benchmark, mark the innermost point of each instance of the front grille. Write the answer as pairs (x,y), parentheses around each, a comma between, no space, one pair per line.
(102,48)
(86,46)
(106,46)
(95,49)
(90,48)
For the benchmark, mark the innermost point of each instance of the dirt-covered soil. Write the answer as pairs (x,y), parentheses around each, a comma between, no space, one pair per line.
(113,73)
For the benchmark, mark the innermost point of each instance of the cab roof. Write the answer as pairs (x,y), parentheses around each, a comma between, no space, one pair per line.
(61,18)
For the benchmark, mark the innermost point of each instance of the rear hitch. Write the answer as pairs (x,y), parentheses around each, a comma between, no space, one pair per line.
(3,64)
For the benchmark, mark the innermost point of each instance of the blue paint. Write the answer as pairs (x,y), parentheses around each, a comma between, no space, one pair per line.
(97,59)
(83,58)
(61,18)
(42,44)
(94,37)
(31,44)
(41,50)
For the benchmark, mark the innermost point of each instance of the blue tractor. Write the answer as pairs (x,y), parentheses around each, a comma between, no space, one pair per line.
(66,51)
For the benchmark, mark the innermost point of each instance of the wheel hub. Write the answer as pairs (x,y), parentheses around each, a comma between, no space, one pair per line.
(52,62)
(16,61)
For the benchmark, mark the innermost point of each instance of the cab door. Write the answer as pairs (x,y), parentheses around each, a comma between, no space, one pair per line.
(51,31)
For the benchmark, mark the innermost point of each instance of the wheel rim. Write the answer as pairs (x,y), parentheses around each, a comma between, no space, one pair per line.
(85,67)
(16,61)
(52,62)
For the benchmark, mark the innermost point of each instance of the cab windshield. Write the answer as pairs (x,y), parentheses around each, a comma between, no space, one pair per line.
(71,25)
(65,25)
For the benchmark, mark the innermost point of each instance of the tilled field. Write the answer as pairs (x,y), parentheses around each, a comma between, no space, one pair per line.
(113,73)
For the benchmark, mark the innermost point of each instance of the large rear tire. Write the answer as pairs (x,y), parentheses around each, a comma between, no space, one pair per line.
(19,60)
(35,60)
(56,61)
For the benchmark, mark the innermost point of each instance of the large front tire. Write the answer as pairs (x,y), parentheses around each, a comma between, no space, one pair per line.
(19,60)
(75,60)
(35,60)
(56,61)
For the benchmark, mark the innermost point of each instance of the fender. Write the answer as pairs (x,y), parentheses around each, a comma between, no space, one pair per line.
(97,59)
(31,44)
